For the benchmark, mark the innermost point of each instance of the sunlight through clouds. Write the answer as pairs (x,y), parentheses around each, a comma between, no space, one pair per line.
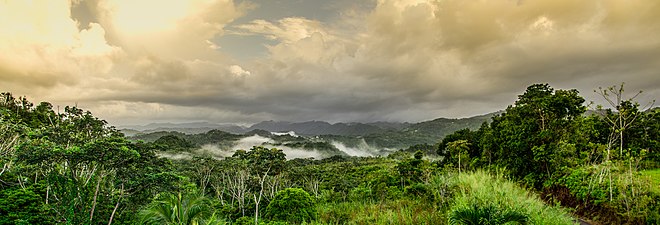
(395,60)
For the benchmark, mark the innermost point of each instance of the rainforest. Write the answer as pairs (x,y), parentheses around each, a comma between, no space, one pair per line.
(545,159)
(358,112)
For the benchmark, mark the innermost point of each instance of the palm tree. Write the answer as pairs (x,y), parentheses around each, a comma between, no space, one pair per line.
(179,209)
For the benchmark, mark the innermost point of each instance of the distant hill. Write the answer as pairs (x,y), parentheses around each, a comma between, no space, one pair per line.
(443,126)
(187,128)
(318,128)
(386,135)
(433,128)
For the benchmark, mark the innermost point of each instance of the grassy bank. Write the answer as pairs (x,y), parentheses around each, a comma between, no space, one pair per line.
(468,197)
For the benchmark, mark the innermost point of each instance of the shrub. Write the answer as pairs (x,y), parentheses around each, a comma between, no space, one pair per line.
(293,205)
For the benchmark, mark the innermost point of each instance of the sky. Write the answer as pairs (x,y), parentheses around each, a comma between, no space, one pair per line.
(244,61)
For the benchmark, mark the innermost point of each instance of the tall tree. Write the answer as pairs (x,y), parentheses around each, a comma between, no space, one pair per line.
(264,162)
(627,112)
(530,133)
(459,150)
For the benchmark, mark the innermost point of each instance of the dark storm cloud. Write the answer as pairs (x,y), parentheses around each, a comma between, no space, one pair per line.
(396,60)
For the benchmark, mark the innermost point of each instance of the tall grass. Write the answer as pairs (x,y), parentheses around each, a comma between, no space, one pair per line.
(654,179)
(400,211)
(479,192)
(493,199)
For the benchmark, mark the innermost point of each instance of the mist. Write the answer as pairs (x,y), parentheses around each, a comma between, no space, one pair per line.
(362,149)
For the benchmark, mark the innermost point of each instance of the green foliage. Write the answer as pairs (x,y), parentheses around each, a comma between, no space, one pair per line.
(427,149)
(527,135)
(293,205)
(633,197)
(178,209)
(263,160)
(654,178)
(22,206)
(397,211)
(458,152)
(174,143)
(73,168)
(411,170)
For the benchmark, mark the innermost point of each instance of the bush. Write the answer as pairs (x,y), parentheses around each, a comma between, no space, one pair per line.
(293,205)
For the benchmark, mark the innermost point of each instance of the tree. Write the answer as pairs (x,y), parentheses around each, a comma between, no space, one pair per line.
(233,182)
(471,137)
(83,170)
(78,175)
(174,143)
(293,205)
(264,162)
(22,206)
(459,150)
(626,114)
(530,133)
(410,170)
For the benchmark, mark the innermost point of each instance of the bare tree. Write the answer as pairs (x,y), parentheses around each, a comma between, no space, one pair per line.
(262,179)
(236,183)
(627,113)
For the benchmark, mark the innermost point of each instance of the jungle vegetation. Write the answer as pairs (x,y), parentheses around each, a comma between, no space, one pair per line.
(541,161)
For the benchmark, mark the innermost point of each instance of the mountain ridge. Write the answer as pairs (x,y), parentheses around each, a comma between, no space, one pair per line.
(390,135)
(436,127)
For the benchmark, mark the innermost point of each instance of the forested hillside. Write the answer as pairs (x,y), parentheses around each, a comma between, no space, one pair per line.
(383,137)
(541,161)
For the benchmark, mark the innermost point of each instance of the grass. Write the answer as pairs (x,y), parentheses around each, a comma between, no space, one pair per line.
(654,177)
(480,190)
(400,211)
(494,199)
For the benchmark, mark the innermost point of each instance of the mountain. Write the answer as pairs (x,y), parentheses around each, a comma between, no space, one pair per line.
(318,128)
(427,132)
(443,126)
(315,137)
(387,135)
(187,128)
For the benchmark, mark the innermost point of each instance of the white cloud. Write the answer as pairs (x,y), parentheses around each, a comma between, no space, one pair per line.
(238,70)
(287,30)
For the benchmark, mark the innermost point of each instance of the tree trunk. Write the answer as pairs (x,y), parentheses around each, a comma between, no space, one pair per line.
(96,194)
(256,210)
(121,195)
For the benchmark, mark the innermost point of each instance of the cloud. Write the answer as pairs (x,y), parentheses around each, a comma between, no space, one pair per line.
(287,30)
(179,29)
(42,47)
(461,58)
(238,70)
(398,60)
